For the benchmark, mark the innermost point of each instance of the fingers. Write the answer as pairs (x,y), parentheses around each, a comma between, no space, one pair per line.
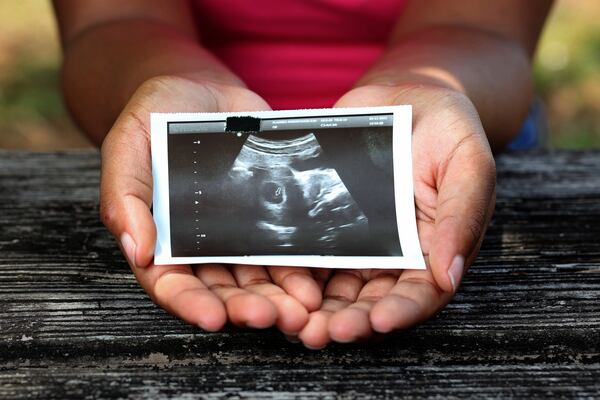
(244,309)
(212,294)
(464,207)
(353,322)
(413,299)
(177,290)
(299,283)
(321,276)
(390,299)
(341,291)
(126,191)
(290,314)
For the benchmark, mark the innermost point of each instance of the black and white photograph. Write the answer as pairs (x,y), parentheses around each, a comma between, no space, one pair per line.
(284,186)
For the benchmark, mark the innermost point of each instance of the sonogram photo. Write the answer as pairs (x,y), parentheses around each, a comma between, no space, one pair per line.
(296,187)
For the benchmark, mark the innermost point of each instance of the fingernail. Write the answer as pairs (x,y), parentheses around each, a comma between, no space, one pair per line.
(346,340)
(314,347)
(456,270)
(129,247)
(255,325)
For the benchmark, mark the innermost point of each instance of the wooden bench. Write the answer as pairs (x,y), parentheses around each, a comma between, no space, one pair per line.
(74,323)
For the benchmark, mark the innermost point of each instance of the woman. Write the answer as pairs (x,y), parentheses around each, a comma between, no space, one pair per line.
(463,65)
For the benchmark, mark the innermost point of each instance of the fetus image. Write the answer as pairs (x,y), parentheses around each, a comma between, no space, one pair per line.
(293,200)
(303,191)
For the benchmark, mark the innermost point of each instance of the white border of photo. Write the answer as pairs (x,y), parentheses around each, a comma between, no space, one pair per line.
(412,257)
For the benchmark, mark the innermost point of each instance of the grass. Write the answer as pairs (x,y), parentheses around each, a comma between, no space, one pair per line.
(32,116)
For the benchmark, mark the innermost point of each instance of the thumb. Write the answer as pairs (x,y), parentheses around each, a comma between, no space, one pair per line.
(466,199)
(126,190)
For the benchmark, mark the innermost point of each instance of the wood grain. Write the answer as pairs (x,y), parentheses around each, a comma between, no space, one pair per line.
(75,324)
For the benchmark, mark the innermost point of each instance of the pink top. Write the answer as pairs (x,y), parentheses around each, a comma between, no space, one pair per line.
(298,53)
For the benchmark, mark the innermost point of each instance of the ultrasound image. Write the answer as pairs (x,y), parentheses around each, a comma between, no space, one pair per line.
(297,206)
(289,192)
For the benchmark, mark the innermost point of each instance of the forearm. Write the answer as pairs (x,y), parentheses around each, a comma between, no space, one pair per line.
(493,72)
(105,64)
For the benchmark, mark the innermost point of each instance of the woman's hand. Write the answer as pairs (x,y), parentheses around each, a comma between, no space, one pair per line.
(454,189)
(207,295)
(454,181)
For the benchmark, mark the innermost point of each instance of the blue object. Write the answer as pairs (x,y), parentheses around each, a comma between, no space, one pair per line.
(531,134)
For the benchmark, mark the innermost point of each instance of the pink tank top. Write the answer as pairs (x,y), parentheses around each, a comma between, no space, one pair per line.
(298,53)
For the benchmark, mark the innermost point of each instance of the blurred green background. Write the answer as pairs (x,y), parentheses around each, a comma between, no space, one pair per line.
(32,116)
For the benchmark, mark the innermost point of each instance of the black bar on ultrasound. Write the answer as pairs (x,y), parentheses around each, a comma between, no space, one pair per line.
(242,124)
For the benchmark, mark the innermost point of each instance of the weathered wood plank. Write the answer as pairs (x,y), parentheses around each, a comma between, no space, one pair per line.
(74,323)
